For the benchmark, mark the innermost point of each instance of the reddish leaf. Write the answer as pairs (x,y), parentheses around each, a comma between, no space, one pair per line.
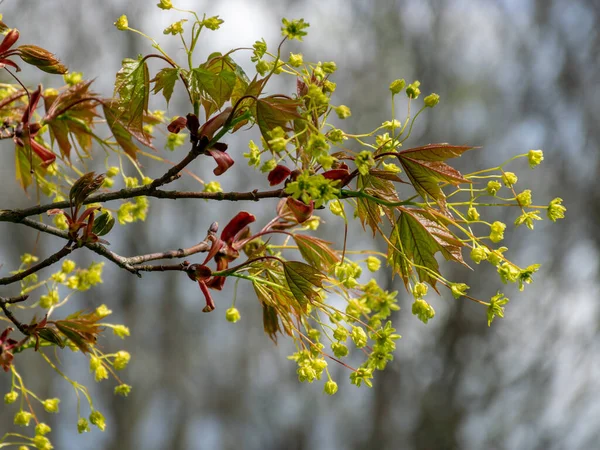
(11,37)
(426,169)
(301,211)
(435,152)
(336,174)
(177,125)
(235,225)
(210,128)
(223,160)
(8,62)
(278,175)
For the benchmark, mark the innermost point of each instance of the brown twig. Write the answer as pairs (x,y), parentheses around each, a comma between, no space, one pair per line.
(33,269)
(9,315)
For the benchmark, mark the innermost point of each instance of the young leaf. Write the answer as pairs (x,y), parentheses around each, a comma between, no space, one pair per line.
(302,280)
(270,321)
(85,186)
(227,74)
(76,117)
(369,211)
(419,237)
(165,81)
(426,169)
(122,135)
(316,252)
(435,152)
(132,85)
(275,111)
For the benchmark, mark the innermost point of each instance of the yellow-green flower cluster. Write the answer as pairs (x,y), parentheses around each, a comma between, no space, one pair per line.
(253,155)
(294,29)
(309,187)
(556,210)
(347,273)
(364,161)
(175,140)
(213,186)
(497,231)
(84,279)
(131,211)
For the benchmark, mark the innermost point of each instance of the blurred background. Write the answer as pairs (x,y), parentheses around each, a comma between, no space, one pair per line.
(513,75)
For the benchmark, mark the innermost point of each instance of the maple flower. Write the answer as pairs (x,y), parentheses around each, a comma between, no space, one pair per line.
(294,29)
(122,23)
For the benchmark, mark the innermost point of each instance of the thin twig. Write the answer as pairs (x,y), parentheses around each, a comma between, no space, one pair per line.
(33,269)
(9,315)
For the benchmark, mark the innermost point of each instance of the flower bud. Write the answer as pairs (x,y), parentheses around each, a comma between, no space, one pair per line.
(431,100)
(479,254)
(331,387)
(397,86)
(42,429)
(51,405)
(121,360)
(121,330)
(11,397)
(232,315)
(373,264)
(123,390)
(509,179)
(83,425)
(343,112)
(359,337)
(296,59)
(122,23)
(535,158)
(472,213)
(493,187)
(23,418)
(96,418)
(420,290)
(497,231)
(42,59)
(524,198)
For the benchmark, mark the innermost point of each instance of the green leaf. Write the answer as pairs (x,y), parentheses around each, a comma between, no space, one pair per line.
(425,169)
(418,235)
(302,280)
(23,169)
(132,85)
(165,81)
(275,111)
(316,252)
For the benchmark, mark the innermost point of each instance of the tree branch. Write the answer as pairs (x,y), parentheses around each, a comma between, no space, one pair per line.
(45,263)
(16,215)
(9,315)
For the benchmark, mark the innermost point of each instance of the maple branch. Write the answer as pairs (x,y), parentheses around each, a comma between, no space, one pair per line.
(33,269)
(17,215)
(127,263)
(9,315)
